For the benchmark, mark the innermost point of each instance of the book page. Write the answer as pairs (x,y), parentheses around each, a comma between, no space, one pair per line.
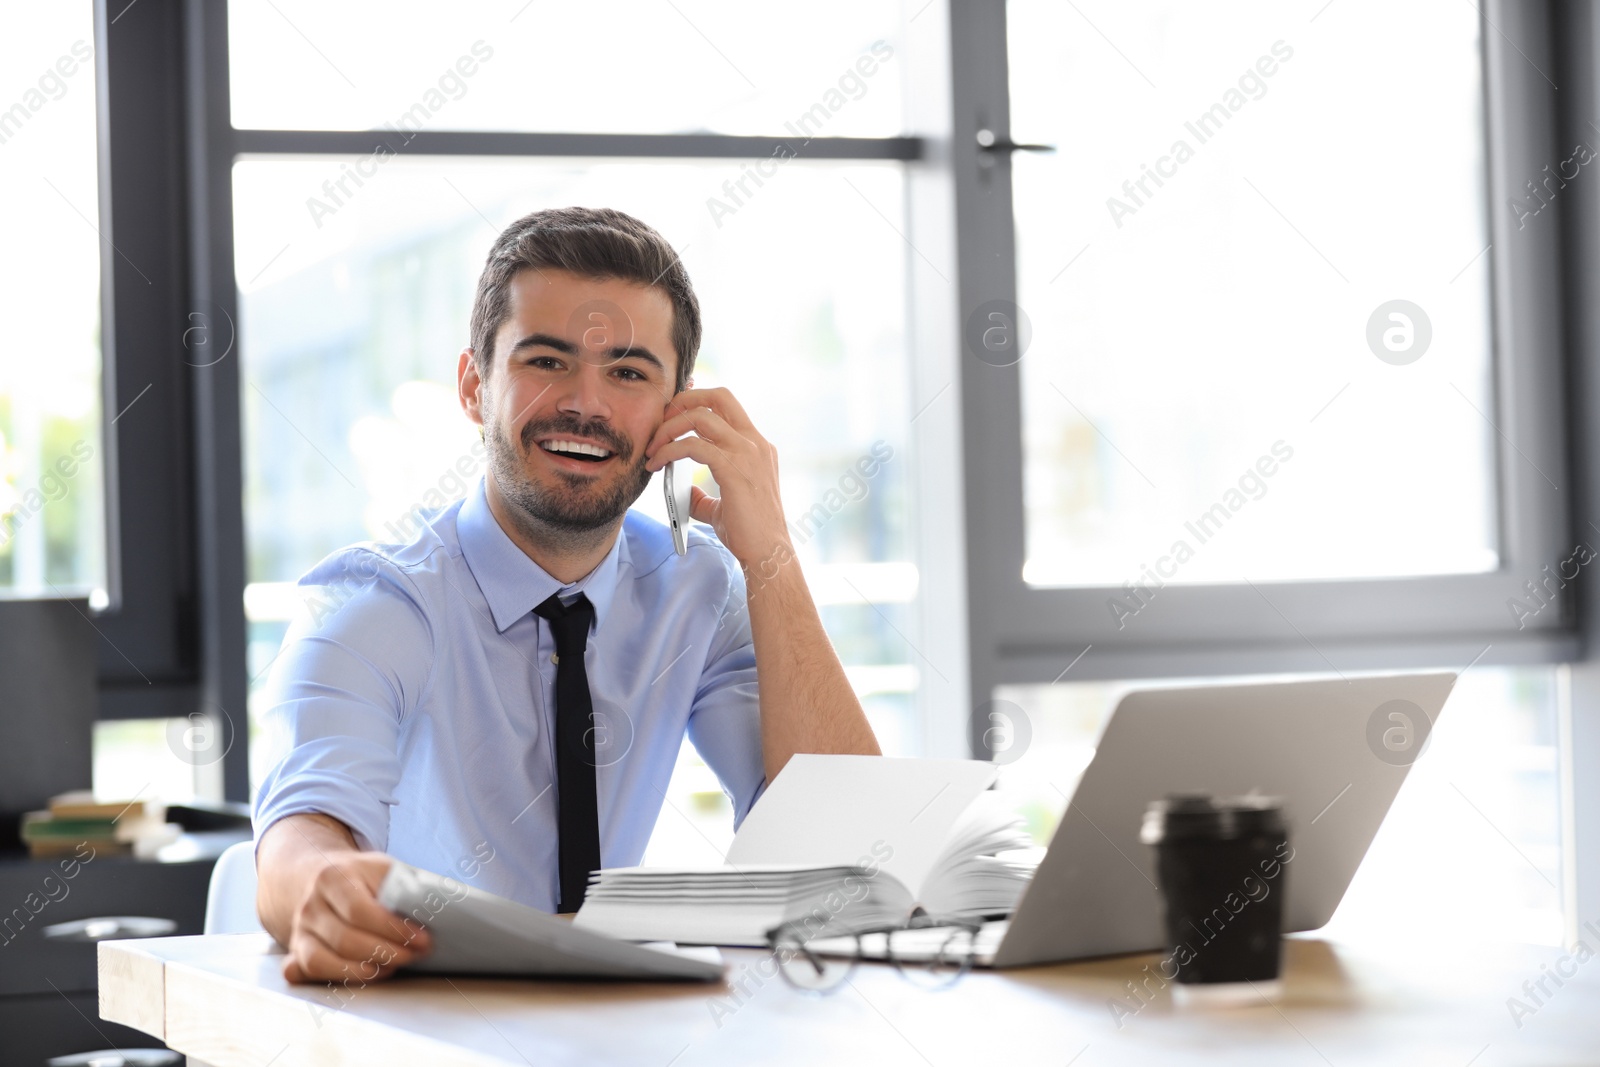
(827,810)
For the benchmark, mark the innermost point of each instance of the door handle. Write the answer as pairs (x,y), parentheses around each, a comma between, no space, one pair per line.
(988,141)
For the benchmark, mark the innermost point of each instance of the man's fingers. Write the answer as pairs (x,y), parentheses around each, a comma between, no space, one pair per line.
(702,506)
(311,960)
(702,421)
(363,946)
(368,916)
(696,448)
(356,904)
(719,400)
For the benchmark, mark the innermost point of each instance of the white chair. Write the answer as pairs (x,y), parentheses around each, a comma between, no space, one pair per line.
(231,898)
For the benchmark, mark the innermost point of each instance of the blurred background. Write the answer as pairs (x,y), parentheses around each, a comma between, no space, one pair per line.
(282,381)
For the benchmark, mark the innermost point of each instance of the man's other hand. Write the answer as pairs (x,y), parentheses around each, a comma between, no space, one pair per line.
(318,896)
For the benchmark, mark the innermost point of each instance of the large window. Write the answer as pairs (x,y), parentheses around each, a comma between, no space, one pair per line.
(1261,371)
(356,275)
(1229,304)
(52,526)
(1256,415)
(1268,417)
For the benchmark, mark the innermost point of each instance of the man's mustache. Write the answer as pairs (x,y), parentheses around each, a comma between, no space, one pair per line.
(594,431)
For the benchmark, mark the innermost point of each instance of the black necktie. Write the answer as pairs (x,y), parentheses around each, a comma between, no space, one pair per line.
(577,809)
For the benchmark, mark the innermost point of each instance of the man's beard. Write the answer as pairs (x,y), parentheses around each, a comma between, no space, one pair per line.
(578,505)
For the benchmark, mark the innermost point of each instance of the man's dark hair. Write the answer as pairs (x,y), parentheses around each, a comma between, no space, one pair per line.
(591,243)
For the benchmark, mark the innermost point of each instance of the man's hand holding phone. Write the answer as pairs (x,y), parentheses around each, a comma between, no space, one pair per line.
(807,703)
(748,517)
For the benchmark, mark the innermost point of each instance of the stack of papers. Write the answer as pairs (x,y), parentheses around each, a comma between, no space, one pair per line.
(837,843)
(737,906)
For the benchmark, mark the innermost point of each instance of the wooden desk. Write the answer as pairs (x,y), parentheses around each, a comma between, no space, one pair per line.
(221,1000)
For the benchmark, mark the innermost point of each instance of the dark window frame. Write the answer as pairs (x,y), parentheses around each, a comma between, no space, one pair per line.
(1028,635)
(171,637)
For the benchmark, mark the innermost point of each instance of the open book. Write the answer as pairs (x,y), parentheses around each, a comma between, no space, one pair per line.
(838,843)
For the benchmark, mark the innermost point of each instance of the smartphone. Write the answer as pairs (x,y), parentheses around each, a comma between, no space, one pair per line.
(675,484)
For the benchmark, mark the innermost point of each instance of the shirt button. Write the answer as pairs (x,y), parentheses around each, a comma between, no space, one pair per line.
(554,658)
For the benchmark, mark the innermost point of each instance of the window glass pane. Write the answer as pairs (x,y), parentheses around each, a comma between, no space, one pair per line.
(1210,264)
(133,760)
(52,530)
(350,331)
(609,66)
(1473,836)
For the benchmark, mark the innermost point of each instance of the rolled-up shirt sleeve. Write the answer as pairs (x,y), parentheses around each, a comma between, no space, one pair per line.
(725,721)
(352,666)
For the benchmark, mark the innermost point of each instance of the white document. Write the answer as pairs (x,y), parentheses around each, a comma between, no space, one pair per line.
(479,933)
(840,810)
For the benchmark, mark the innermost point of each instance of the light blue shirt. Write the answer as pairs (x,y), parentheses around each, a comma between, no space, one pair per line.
(416,701)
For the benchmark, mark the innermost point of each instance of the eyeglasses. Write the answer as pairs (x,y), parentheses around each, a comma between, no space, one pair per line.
(929,952)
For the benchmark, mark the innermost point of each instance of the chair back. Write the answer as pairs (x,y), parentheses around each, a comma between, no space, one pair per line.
(231,898)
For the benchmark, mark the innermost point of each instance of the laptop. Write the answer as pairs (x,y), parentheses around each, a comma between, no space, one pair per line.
(1334,751)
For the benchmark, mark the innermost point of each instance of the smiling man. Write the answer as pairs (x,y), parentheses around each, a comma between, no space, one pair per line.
(503,698)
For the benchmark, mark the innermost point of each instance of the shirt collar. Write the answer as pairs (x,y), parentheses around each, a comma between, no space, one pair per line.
(514,584)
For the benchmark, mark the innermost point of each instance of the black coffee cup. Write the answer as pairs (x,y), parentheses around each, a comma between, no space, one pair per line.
(1221,864)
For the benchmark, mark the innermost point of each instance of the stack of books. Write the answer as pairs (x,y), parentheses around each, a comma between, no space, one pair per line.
(77,819)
